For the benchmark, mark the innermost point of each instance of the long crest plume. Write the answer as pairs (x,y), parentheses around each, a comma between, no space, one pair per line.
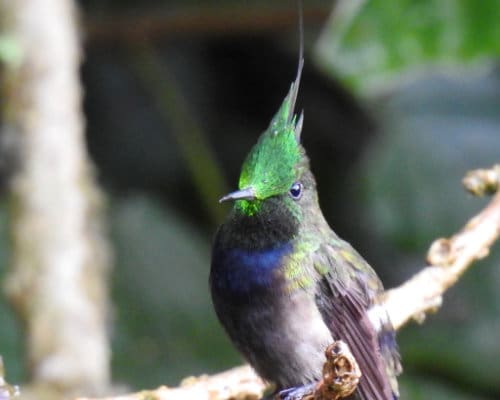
(270,167)
(294,90)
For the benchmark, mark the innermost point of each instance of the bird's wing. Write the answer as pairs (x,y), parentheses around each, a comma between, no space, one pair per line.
(347,287)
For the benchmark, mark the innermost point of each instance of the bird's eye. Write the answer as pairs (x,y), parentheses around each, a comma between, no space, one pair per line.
(296,190)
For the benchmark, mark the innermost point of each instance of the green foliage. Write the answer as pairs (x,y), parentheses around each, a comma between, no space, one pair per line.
(376,42)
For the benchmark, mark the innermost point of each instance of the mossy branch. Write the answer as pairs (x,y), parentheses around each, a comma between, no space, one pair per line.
(448,259)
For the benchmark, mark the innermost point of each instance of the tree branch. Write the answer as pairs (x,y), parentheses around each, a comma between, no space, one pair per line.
(240,383)
(421,294)
(159,23)
(60,259)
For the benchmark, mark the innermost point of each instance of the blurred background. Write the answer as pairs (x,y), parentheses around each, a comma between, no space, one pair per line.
(401,98)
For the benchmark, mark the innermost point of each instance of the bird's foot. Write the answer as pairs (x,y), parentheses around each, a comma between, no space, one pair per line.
(305,392)
(341,372)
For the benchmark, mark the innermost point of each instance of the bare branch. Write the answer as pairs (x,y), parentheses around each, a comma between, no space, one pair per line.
(240,383)
(483,181)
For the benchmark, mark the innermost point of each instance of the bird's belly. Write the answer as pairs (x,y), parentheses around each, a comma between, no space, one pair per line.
(284,339)
(280,333)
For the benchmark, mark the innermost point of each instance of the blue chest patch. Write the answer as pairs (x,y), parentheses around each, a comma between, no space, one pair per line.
(241,271)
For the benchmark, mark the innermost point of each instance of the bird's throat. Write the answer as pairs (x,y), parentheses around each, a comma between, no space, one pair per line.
(248,208)
(249,251)
(257,226)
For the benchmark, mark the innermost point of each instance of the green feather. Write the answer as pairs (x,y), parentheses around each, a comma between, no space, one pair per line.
(248,207)
(270,168)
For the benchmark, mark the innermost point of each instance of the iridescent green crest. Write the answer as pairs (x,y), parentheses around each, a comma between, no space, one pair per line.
(270,168)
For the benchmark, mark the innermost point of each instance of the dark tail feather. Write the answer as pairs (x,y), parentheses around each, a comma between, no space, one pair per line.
(390,353)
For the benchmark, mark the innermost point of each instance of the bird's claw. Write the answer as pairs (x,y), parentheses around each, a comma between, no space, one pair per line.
(305,392)
(341,372)
(341,375)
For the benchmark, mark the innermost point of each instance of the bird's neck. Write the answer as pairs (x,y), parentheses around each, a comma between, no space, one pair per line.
(268,229)
(249,253)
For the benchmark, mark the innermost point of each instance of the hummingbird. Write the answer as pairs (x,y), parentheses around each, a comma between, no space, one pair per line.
(284,285)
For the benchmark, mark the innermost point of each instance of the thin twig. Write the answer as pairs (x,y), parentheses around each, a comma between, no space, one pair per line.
(483,181)
(191,139)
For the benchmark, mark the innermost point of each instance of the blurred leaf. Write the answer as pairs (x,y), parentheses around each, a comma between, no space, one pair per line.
(372,43)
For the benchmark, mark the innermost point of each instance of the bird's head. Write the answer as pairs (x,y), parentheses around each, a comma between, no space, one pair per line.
(274,167)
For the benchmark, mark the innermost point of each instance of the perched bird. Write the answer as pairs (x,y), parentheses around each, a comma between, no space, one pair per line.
(284,285)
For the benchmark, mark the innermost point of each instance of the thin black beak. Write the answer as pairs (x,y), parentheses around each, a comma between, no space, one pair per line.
(243,194)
